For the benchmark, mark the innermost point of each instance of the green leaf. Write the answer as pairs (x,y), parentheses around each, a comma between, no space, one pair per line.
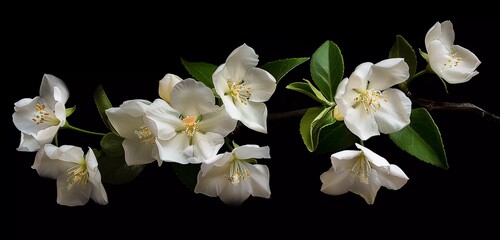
(311,124)
(327,68)
(111,144)
(115,170)
(102,102)
(402,49)
(280,68)
(70,111)
(201,71)
(424,55)
(303,88)
(422,139)
(335,137)
(187,173)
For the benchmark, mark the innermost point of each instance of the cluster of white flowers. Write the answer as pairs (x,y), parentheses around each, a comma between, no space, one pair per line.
(187,126)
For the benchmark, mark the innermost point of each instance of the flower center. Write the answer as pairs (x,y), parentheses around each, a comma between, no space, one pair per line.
(145,135)
(77,175)
(362,169)
(44,115)
(239,91)
(237,171)
(191,124)
(453,61)
(370,99)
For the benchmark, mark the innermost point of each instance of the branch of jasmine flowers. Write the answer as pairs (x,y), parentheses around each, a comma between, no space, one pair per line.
(451,106)
(289,114)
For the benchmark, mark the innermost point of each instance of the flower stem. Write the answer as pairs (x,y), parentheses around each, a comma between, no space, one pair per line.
(67,126)
(405,85)
(56,141)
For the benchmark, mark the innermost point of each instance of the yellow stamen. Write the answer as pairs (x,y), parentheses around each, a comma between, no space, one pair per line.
(453,61)
(44,115)
(370,99)
(145,135)
(362,169)
(239,91)
(77,175)
(191,123)
(237,171)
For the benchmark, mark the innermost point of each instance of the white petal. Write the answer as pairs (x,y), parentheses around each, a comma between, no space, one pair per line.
(394,114)
(439,55)
(447,33)
(190,98)
(361,123)
(261,83)
(162,120)
(218,122)
(259,180)
(49,168)
(394,178)
(219,159)
(235,194)
(434,33)
(49,83)
(173,150)
(128,118)
(336,182)
(206,145)
(166,85)
(251,151)
(344,160)
(342,104)
(359,78)
(137,153)
(367,191)
(78,195)
(25,110)
(211,181)
(46,136)
(231,108)
(28,143)
(387,73)
(240,61)
(374,158)
(97,192)
(67,153)
(220,78)
(60,113)
(465,69)
(253,115)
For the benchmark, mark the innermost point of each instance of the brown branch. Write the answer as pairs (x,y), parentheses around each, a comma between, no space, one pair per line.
(285,115)
(450,106)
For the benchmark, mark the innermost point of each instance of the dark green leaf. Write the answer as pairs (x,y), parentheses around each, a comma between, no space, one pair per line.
(327,68)
(70,111)
(402,49)
(200,71)
(335,137)
(303,88)
(311,124)
(188,174)
(422,139)
(424,55)
(280,68)
(102,102)
(111,144)
(115,170)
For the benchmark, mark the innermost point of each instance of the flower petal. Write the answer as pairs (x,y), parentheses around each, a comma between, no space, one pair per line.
(394,114)
(25,110)
(259,180)
(217,122)
(78,195)
(374,158)
(97,191)
(48,92)
(359,78)
(235,194)
(211,180)
(162,120)
(166,85)
(49,168)
(240,61)
(251,151)
(192,98)
(344,160)
(392,178)
(447,33)
(66,153)
(173,150)
(137,153)
(128,118)
(342,104)
(253,115)
(261,83)
(336,182)
(28,143)
(367,191)
(465,69)
(361,122)
(387,73)
(206,145)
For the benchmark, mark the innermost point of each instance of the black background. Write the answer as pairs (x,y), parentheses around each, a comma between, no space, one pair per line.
(129,51)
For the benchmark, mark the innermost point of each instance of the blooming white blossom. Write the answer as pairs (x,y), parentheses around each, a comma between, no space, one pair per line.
(231,177)
(192,128)
(452,63)
(78,177)
(368,104)
(166,85)
(128,120)
(40,118)
(361,172)
(244,88)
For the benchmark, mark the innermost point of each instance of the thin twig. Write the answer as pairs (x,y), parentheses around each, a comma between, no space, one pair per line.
(285,115)
(466,107)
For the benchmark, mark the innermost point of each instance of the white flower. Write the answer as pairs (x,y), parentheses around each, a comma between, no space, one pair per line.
(361,172)
(453,63)
(231,177)
(166,85)
(367,103)
(78,177)
(193,128)
(40,118)
(128,120)
(244,88)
